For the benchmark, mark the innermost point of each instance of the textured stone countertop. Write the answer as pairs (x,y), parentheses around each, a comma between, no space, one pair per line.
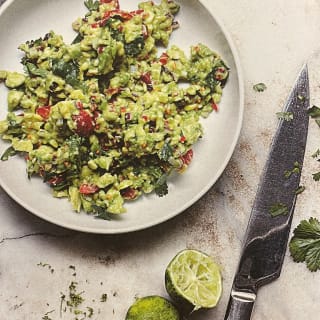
(274,38)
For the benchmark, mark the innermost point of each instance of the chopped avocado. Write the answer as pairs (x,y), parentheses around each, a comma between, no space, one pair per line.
(14,98)
(14,79)
(104,119)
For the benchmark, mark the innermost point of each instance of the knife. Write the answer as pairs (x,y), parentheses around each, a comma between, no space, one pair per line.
(266,237)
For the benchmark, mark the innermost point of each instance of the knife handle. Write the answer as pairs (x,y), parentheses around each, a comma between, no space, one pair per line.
(240,305)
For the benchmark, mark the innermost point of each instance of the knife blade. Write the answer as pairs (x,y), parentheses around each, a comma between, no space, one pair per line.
(267,233)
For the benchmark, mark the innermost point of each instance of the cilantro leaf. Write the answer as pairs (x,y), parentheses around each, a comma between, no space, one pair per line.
(101,213)
(287,116)
(259,87)
(166,152)
(33,70)
(66,70)
(278,209)
(304,246)
(314,112)
(161,187)
(295,169)
(135,47)
(300,190)
(316,154)
(92,6)
(316,176)
(8,153)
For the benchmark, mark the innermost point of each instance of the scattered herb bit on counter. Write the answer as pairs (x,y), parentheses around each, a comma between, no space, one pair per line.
(259,87)
(46,315)
(287,116)
(104,120)
(314,113)
(305,244)
(278,209)
(74,269)
(104,297)
(41,264)
(296,169)
(73,302)
(300,190)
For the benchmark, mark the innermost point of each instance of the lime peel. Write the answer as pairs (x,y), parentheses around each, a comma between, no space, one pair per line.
(152,307)
(193,278)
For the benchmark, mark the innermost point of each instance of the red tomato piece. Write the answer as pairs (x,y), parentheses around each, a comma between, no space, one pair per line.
(129,193)
(55,180)
(44,112)
(163,58)
(146,78)
(84,123)
(214,106)
(88,188)
(187,157)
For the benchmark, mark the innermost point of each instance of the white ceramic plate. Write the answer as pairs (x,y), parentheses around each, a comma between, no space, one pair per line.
(22,20)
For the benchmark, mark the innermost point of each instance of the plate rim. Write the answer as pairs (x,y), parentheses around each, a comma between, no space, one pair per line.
(193,200)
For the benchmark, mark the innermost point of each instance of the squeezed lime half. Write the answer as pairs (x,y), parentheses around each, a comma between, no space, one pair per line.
(152,308)
(193,279)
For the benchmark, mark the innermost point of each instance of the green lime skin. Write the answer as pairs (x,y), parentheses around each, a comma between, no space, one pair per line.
(152,308)
(193,281)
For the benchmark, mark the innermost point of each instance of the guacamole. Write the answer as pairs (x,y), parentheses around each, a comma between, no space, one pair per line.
(108,117)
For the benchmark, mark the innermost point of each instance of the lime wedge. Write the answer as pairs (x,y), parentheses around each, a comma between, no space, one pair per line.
(193,280)
(152,308)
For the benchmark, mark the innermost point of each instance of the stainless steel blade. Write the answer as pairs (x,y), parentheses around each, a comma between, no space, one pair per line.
(266,237)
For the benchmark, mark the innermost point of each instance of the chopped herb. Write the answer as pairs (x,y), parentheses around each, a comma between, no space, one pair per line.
(101,213)
(211,81)
(33,70)
(296,169)
(46,317)
(135,47)
(301,98)
(287,116)
(8,153)
(104,297)
(314,112)
(62,300)
(166,152)
(46,265)
(161,187)
(300,190)
(66,70)
(90,310)
(92,6)
(316,176)
(316,154)
(305,244)
(75,298)
(278,209)
(73,268)
(259,87)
